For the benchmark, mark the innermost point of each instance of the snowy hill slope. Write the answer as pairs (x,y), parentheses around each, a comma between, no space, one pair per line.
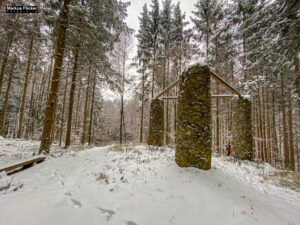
(144,187)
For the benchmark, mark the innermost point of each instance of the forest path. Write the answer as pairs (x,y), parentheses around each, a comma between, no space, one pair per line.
(141,187)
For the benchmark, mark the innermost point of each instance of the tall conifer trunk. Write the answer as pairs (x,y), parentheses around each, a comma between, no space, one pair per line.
(291,135)
(22,110)
(62,122)
(269,148)
(4,109)
(264,124)
(86,104)
(217,123)
(4,59)
(274,133)
(285,138)
(77,106)
(92,110)
(142,112)
(122,122)
(30,113)
(72,94)
(53,95)
(260,126)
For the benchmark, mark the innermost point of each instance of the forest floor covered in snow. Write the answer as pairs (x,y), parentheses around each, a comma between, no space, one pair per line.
(138,185)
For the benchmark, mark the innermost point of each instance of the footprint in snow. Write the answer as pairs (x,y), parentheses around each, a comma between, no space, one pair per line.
(130,223)
(76,204)
(108,213)
(61,183)
(68,194)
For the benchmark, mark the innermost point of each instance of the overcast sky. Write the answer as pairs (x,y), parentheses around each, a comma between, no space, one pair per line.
(134,10)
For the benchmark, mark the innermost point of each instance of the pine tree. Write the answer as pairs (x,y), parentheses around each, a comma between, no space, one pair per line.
(53,96)
(207,14)
(5,104)
(154,29)
(143,56)
(166,42)
(22,110)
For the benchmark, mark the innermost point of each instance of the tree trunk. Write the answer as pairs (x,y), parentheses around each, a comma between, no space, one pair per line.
(4,60)
(92,110)
(217,123)
(262,150)
(22,110)
(258,150)
(72,94)
(121,119)
(85,113)
(142,112)
(167,105)
(268,128)
(30,114)
(124,127)
(274,134)
(49,77)
(264,123)
(62,122)
(53,129)
(3,115)
(53,95)
(153,70)
(207,37)
(291,135)
(244,50)
(122,122)
(43,94)
(285,139)
(298,161)
(77,106)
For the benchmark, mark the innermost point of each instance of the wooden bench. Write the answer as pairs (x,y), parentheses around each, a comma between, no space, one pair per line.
(24,163)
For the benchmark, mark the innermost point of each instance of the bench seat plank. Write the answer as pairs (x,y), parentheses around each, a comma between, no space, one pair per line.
(16,165)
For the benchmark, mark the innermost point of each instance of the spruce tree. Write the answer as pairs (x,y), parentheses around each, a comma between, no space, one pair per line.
(206,15)
(154,29)
(143,57)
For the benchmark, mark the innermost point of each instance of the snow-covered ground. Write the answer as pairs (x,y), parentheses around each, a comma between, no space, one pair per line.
(138,185)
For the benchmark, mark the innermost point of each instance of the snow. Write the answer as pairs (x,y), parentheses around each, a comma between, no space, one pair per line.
(248,97)
(12,150)
(141,185)
(196,62)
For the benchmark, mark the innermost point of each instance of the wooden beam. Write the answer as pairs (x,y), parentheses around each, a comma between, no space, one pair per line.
(170,97)
(36,159)
(222,96)
(224,83)
(212,75)
(213,96)
(168,88)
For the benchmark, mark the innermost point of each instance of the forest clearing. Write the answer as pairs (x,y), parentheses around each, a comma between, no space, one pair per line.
(138,184)
(149,112)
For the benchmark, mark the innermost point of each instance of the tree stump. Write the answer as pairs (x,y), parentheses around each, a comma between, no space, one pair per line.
(193,128)
(242,129)
(156,124)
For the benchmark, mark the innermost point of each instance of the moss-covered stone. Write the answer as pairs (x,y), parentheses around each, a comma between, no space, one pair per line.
(193,128)
(242,129)
(156,124)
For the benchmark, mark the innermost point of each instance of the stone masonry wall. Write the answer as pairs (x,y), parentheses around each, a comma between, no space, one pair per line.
(156,125)
(242,129)
(193,129)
